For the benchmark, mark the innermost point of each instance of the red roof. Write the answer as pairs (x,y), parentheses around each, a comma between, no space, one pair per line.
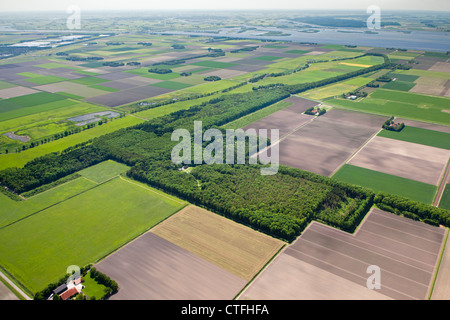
(68,293)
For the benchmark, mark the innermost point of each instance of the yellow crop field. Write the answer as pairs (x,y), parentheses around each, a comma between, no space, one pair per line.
(232,246)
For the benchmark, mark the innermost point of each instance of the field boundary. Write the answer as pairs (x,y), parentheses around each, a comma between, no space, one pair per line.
(437,266)
(356,152)
(442,184)
(268,263)
(15,289)
(154,191)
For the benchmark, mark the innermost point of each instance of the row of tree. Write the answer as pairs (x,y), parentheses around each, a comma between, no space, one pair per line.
(412,209)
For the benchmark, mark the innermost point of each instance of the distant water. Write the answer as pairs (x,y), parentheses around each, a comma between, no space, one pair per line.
(414,40)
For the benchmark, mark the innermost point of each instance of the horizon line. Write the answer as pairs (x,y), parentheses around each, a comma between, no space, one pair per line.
(218,9)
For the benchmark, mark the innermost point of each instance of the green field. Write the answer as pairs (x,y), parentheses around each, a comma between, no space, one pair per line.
(297,51)
(445,200)
(213,64)
(29,100)
(46,113)
(418,135)
(401,104)
(267,58)
(399,85)
(12,211)
(81,229)
(45,79)
(404,77)
(173,85)
(104,171)
(382,182)
(93,289)
(21,158)
(335,89)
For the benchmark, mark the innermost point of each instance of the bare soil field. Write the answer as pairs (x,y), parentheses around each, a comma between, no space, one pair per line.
(6,294)
(118,98)
(79,89)
(52,88)
(425,63)
(116,76)
(404,159)
(139,81)
(323,145)
(323,262)
(288,119)
(433,86)
(284,120)
(424,125)
(441,67)
(152,268)
(15,92)
(299,104)
(229,245)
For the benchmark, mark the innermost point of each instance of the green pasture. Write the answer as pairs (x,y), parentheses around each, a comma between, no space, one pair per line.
(419,135)
(382,182)
(267,58)
(21,158)
(53,112)
(445,200)
(213,64)
(298,51)
(399,85)
(81,229)
(401,104)
(6,85)
(12,211)
(104,171)
(172,85)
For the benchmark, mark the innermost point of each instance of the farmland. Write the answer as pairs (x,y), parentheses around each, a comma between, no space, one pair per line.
(347,256)
(383,182)
(78,216)
(87,175)
(401,104)
(199,250)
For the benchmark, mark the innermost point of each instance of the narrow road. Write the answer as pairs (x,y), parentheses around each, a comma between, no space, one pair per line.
(442,185)
(23,294)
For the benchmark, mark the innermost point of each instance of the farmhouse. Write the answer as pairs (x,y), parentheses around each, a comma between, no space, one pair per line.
(69,293)
(67,290)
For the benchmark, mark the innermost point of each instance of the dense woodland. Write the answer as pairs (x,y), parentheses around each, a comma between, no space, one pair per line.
(280,205)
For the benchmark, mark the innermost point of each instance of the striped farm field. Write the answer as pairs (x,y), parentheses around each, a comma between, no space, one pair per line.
(230,245)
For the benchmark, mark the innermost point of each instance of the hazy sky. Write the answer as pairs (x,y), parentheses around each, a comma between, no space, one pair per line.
(61,5)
